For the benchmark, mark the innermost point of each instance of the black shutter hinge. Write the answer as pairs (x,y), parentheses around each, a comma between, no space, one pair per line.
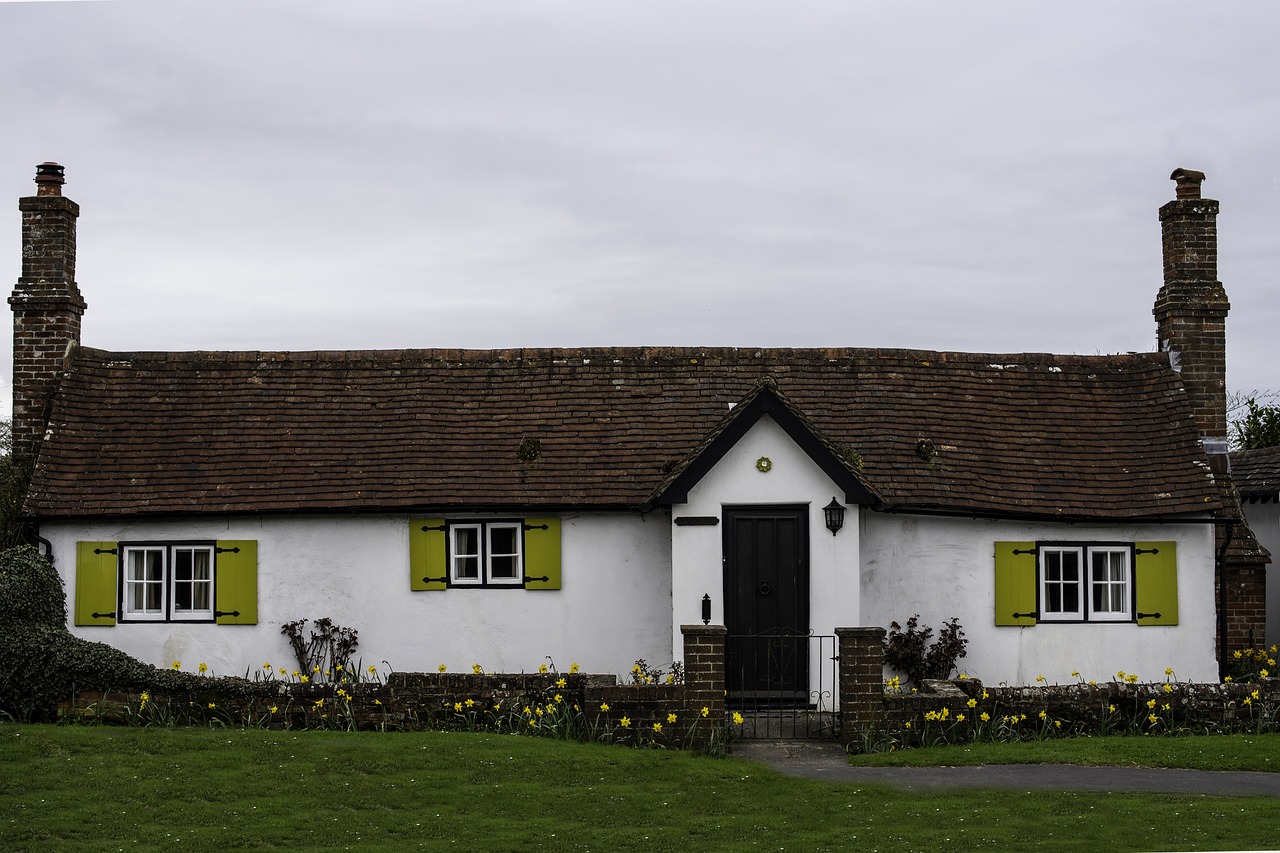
(535,527)
(1146,551)
(96,615)
(1016,551)
(106,550)
(217,614)
(235,550)
(441,579)
(427,527)
(543,579)
(1034,614)
(1147,615)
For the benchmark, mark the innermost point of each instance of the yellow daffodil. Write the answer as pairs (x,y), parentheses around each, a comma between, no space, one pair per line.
(604,706)
(560,682)
(538,711)
(267,667)
(202,668)
(1042,715)
(573,667)
(671,718)
(457,706)
(372,669)
(213,704)
(625,722)
(470,703)
(477,669)
(737,718)
(1075,674)
(1057,724)
(962,676)
(542,669)
(959,718)
(1168,670)
(657,727)
(304,678)
(706,712)
(559,699)
(1111,709)
(1151,703)
(1263,673)
(177,664)
(274,708)
(1153,718)
(1228,678)
(1040,678)
(442,668)
(985,717)
(972,703)
(377,701)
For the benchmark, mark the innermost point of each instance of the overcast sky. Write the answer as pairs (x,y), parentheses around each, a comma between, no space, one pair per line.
(410,173)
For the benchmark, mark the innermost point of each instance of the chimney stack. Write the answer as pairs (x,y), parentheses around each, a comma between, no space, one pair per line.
(46,304)
(1191,308)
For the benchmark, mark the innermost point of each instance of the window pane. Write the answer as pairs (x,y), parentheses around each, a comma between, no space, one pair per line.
(144,582)
(1109,577)
(504,552)
(466,568)
(504,567)
(1060,587)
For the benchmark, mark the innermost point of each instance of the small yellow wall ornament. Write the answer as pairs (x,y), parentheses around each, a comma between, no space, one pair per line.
(764,465)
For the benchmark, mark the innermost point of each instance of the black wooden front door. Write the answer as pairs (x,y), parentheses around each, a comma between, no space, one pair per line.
(766,596)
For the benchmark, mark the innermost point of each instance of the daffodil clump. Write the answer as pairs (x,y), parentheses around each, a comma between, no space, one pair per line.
(1251,665)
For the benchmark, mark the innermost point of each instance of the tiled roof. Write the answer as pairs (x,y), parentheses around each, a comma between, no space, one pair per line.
(1256,472)
(1034,435)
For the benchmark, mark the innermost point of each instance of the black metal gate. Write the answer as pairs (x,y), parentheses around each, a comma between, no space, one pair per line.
(784,684)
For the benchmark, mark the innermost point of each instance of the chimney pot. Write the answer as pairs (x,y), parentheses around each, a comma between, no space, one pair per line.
(1188,183)
(49,179)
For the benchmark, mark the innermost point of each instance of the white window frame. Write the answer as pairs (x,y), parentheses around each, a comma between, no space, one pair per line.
(1085,583)
(1076,615)
(1125,583)
(167,584)
(485,558)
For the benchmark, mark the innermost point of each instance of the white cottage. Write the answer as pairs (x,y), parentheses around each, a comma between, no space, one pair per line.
(511,507)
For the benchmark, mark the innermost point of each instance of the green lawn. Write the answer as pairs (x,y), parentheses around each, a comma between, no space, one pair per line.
(1219,752)
(98,788)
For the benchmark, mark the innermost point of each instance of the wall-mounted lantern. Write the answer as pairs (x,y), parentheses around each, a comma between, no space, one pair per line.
(835,516)
(706,609)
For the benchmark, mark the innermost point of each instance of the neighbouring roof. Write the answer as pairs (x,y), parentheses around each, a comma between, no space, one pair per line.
(1256,472)
(228,432)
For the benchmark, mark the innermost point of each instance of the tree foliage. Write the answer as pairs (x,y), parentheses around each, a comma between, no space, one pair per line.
(1254,425)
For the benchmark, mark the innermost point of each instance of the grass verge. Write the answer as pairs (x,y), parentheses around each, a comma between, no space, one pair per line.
(1209,752)
(96,788)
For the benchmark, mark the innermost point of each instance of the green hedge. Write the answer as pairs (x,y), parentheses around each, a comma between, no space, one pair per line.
(43,662)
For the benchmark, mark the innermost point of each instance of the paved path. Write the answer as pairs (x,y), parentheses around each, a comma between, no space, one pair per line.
(827,761)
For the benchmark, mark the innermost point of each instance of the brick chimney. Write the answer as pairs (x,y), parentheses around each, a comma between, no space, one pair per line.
(1191,308)
(46,303)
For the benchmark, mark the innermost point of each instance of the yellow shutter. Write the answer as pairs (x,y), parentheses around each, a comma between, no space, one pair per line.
(97,569)
(1016,583)
(542,553)
(428,554)
(1155,578)
(236,582)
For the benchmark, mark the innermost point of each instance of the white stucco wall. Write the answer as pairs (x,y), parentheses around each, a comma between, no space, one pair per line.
(941,567)
(613,607)
(697,552)
(1264,521)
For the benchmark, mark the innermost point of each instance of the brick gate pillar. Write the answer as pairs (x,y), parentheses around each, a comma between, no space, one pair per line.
(703,680)
(861,679)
